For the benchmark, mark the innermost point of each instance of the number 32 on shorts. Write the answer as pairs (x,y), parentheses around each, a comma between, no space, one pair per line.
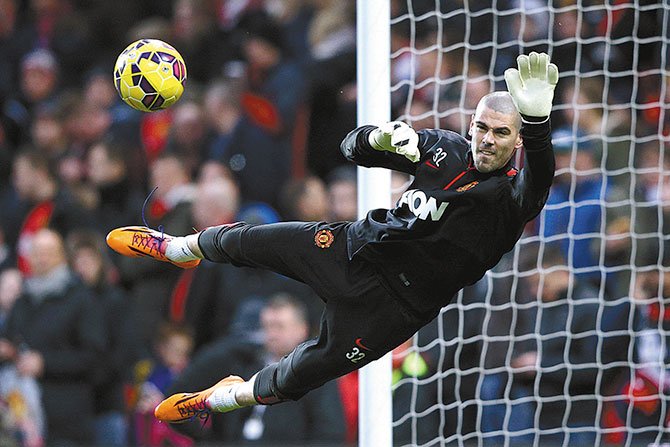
(355,355)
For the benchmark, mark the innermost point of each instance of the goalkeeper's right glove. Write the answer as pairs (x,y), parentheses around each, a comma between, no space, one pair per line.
(532,85)
(397,137)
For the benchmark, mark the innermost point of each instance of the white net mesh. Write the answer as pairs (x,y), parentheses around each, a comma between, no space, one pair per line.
(565,341)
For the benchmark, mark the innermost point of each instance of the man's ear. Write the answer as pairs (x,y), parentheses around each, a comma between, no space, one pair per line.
(519,142)
(472,122)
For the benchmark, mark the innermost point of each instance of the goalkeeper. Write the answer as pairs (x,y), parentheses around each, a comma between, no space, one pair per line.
(387,275)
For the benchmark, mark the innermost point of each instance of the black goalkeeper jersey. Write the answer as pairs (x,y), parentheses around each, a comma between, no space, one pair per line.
(453,223)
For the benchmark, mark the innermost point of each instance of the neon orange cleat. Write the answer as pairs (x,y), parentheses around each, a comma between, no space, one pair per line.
(182,407)
(142,241)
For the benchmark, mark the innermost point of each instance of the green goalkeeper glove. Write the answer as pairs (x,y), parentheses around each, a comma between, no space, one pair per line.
(397,137)
(532,85)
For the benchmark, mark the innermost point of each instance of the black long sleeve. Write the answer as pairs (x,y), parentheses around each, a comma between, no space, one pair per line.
(531,186)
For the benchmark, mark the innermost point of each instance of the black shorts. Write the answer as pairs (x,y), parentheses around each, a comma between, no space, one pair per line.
(361,322)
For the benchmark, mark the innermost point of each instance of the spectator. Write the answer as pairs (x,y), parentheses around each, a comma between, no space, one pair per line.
(573,215)
(343,193)
(149,284)
(12,45)
(42,203)
(54,334)
(20,396)
(461,97)
(410,366)
(194,32)
(13,132)
(586,101)
(216,200)
(565,53)
(174,192)
(86,123)
(421,115)
(11,284)
(496,319)
(635,416)
(87,260)
(241,146)
(653,95)
(332,83)
(270,69)
(39,79)
(559,364)
(154,133)
(189,135)
(284,322)
(98,90)
(267,143)
(21,405)
(117,199)
(172,350)
(64,30)
(223,113)
(6,255)
(636,232)
(212,171)
(197,298)
(304,199)
(48,131)
(652,201)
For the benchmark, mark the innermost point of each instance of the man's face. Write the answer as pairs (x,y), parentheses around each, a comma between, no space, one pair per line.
(495,137)
(46,253)
(23,178)
(175,351)
(283,330)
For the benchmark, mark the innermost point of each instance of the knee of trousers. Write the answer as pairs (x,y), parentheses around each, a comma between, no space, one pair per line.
(265,387)
(279,382)
(221,243)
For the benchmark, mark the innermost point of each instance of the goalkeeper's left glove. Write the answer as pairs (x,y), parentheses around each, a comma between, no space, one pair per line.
(398,137)
(532,85)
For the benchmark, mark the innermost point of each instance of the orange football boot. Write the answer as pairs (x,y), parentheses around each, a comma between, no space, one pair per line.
(182,407)
(144,242)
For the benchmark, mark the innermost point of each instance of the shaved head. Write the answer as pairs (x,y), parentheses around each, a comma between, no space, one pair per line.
(495,129)
(500,102)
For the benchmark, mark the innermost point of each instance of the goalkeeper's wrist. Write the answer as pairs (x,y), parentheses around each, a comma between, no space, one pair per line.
(534,119)
(536,135)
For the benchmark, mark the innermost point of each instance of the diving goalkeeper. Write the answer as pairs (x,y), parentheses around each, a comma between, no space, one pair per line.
(385,276)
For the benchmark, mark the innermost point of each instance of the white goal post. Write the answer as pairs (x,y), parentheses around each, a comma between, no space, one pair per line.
(374,191)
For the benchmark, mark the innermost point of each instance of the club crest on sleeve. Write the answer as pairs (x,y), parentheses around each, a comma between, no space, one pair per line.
(324,238)
(467,187)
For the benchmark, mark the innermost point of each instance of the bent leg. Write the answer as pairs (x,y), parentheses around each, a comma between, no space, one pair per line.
(354,332)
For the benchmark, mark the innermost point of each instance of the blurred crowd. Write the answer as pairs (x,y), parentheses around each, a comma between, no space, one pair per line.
(90,341)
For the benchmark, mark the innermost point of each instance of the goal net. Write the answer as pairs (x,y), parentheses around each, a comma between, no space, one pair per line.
(565,341)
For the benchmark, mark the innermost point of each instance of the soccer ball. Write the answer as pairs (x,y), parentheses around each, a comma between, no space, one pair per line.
(149,75)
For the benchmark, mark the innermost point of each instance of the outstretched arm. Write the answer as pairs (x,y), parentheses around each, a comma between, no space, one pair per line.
(393,145)
(532,89)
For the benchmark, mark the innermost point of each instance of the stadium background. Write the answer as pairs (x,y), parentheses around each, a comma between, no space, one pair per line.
(564,342)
